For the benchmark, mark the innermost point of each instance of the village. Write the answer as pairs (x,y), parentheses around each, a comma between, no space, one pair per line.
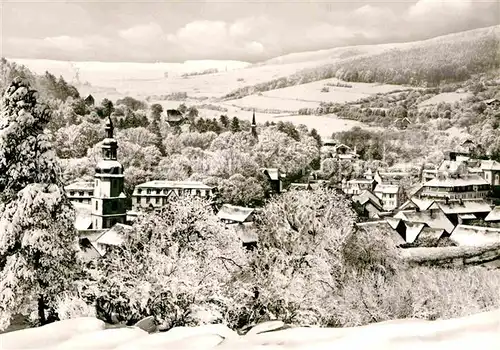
(452,204)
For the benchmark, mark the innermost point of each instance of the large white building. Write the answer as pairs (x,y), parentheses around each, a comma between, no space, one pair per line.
(155,194)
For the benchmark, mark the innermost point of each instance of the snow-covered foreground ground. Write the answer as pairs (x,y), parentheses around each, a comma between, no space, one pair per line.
(481,330)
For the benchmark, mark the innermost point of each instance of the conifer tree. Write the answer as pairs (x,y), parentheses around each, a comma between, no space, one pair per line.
(38,243)
(235,125)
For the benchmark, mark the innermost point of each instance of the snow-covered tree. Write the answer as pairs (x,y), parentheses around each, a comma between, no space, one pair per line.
(171,264)
(37,238)
(298,263)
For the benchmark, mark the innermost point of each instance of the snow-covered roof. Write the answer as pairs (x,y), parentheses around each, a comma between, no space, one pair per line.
(83,216)
(304,186)
(115,236)
(470,180)
(80,185)
(466,235)
(494,215)
(234,213)
(273,173)
(385,227)
(429,236)
(246,231)
(490,165)
(422,204)
(164,184)
(368,196)
(434,218)
(451,165)
(467,216)
(361,181)
(466,206)
(413,229)
(383,188)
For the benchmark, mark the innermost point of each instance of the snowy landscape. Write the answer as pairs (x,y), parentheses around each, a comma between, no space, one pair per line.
(250,175)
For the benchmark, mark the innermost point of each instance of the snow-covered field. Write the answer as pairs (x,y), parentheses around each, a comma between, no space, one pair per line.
(312,91)
(481,329)
(448,97)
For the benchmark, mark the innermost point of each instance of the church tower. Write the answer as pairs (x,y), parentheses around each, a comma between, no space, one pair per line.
(254,126)
(108,202)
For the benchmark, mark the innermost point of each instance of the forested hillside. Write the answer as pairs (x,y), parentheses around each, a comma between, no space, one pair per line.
(445,59)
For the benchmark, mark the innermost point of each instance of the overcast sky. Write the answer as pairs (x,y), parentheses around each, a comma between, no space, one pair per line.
(174,31)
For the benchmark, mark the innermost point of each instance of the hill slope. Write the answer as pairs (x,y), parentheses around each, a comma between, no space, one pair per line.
(453,57)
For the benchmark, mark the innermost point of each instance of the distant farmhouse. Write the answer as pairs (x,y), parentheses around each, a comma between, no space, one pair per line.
(89,100)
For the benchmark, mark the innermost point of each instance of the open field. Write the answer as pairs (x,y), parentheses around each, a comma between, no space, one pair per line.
(338,94)
(270,102)
(448,97)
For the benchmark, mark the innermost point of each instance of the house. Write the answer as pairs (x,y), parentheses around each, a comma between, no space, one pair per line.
(357,186)
(454,186)
(174,117)
(274,177)
(476,236)
(114,237)
(460,210)
(416,204)
(241,220)
(338,151)
(369,204)
(232,214)
(89,100)
(434,218)
(329,142)
(155,194)
(494,215)
(80,191)
(491,172)
(390,195)
(247,234)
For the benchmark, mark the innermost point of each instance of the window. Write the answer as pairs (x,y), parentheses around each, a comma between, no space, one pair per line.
(96,183)
(157,200)
(148,191)
(72,193)
(138,200)
(81,194)
(139,191)
(158,191)
(147,199)
(96,205)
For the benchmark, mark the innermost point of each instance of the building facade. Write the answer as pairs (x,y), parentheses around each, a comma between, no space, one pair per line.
(155,194)
(80,191)
(108,204)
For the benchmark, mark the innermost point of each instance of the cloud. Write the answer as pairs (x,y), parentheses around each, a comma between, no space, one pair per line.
(142,34)
(232,29)
(215,39)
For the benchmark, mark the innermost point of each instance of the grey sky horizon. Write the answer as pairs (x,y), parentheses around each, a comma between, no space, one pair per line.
(252,31)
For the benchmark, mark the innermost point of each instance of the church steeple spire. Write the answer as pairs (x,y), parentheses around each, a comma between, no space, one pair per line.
(254,125)
(108,201)
(109,145)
